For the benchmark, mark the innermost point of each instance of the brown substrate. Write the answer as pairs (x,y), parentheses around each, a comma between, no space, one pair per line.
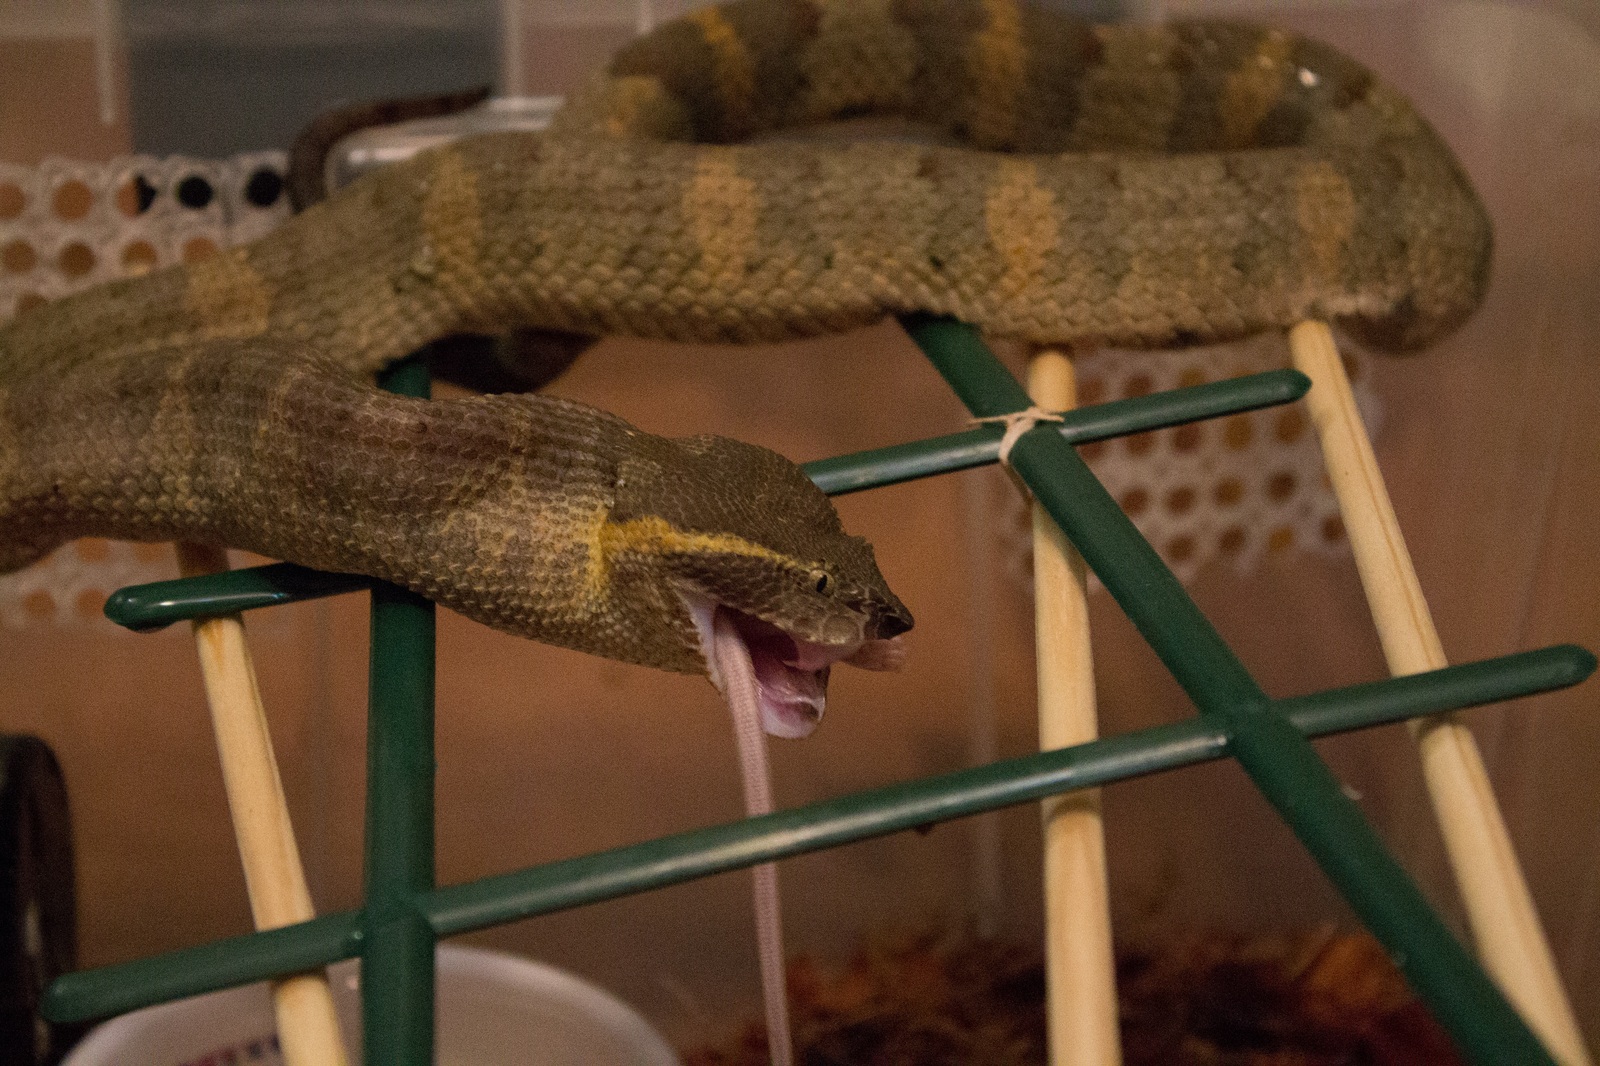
(1314,999)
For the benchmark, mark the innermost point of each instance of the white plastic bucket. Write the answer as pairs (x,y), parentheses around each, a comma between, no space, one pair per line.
(493,1010)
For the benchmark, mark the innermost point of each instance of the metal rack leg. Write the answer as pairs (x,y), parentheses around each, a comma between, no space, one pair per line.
(397,977)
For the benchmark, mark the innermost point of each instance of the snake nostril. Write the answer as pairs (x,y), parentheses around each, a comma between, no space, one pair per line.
(892,624)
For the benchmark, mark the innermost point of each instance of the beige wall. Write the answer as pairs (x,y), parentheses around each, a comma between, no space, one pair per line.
(49,105)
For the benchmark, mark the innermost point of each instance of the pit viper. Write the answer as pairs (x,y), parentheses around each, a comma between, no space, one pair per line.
(1113,184)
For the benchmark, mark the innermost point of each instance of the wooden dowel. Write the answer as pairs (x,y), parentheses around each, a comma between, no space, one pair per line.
(1080,968)
(1505,926)
(308,1028)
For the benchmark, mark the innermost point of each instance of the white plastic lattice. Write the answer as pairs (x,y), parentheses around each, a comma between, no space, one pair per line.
(71,585)
(1234,489)
(65,226)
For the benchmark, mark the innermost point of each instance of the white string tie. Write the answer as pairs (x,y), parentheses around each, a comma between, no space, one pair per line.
(1017,423)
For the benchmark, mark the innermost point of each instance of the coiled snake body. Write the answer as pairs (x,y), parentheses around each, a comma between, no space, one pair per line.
(1126,185)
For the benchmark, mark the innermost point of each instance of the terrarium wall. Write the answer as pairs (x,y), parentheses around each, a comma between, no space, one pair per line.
(1491,446)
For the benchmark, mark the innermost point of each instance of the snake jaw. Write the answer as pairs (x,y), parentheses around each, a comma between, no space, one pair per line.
(791,673)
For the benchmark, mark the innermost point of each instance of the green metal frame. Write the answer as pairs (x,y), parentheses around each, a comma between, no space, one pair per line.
(405,913)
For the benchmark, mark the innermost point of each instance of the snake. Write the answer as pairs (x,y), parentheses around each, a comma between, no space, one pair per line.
(1087,184)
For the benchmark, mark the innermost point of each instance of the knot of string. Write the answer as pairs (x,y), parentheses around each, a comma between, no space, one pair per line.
(1017,423)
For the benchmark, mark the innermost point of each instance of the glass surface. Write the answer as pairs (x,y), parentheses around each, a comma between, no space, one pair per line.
(1489,444)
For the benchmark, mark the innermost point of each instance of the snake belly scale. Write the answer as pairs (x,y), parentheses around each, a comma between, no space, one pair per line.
(1116,184)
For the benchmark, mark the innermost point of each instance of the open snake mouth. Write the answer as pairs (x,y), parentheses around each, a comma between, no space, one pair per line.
(791,674)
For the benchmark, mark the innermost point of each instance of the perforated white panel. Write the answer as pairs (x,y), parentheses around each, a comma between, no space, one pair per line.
(1233,489)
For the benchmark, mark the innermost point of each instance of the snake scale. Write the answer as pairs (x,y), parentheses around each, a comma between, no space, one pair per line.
(1129,185)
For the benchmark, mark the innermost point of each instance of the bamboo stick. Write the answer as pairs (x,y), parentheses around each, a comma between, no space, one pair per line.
(1080,968)
(308,1028)
(1500,911)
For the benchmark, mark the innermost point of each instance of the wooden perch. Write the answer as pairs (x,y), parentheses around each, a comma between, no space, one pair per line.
(308,1028)
(1505,926)
(1080,968)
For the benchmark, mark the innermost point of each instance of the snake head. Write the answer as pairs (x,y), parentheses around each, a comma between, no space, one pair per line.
(706,524)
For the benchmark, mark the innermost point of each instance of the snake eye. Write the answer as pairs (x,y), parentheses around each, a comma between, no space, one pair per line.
(821,581)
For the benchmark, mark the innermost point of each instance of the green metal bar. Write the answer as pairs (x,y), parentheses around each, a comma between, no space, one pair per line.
(1277,757)
(671,860)
(1135,575)
(88,995)
(980,447)
(397,957)
(146,608)
(153,606)
(655,864)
